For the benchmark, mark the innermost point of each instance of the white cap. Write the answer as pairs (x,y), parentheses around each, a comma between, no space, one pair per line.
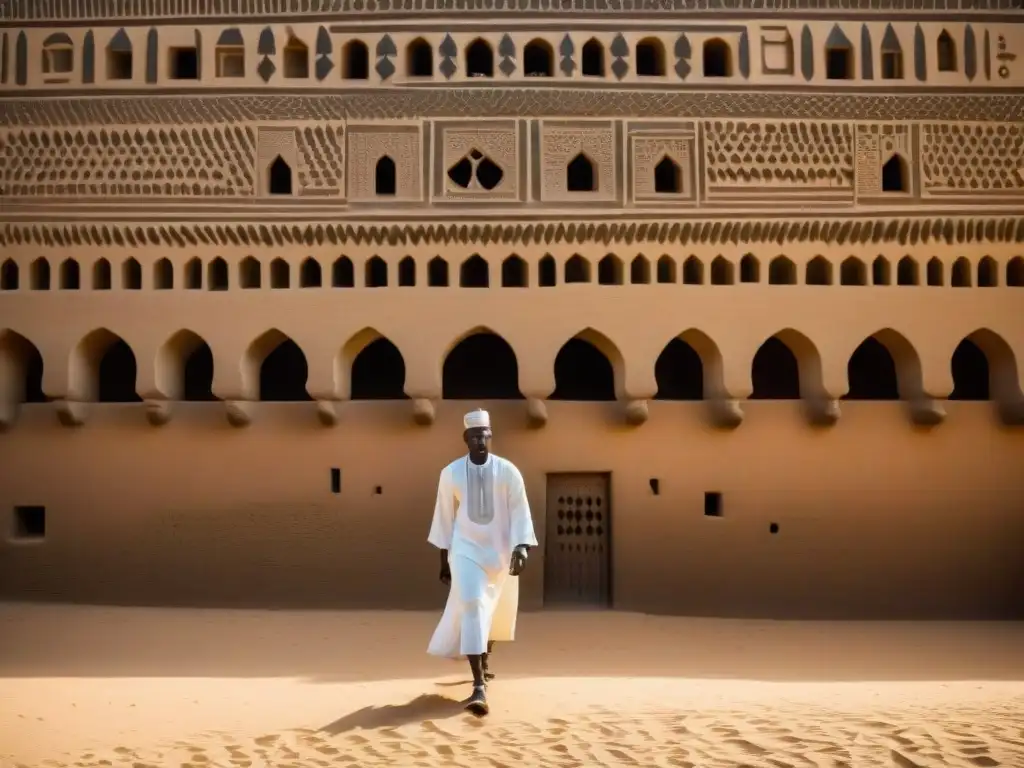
(476,419)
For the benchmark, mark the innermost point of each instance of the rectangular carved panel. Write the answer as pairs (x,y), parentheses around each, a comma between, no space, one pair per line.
(166,161)
(477,162)
(590,148)
(321,153)
(972,159)
(885,161)
(778,159)
(370,148)
(663,163)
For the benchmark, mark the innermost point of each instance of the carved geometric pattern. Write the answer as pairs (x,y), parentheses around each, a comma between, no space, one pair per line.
(448,50)
(321,151)
(367,147)
(619,50)
(30,10)
(876,144)
(504,102)
(786,155)
(965,157)
(683,52)
(865,231)
(507,52)
(498,146)
(648,152)
(197,161)
(561,144)
(385,50)
(566,50)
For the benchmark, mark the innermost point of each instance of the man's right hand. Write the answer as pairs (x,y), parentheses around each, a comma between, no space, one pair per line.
(446,575)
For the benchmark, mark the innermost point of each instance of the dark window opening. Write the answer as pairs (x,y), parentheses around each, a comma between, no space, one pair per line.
(880,272)
(32,391)
(838,64)
(970,373)
(482,366)
(717,59)
(712,504)
(39,275)
(853,272)
(280,177)
(750,270)
(650,58)
(513,273)
(488,174)
(250,274)
(547,272)
(70,276)
(961,273)
(102,279)
(163,275)
(198,375)
(577,270)
(935,273)
(892,65)
(722,272)
(580,175)
(640,271)
(819,271)
(474,273)
(609,271)
(775,372)
(773,528)
(378,490)
(1015,272)
(283,375)
(693,271)
(131,275)
(437,273)
(357,61)
(668,177)
(679,373)
(9,276)
(538,59)
(280,274)
(420,59)
(296,60)
(781,271)
(894,175)
(462,173)
(988,274)
(117,372)
(335,480)
(407,273)
(666,270)
(184,64)
(872,373)
(119,65)
(906,271)
(217,275)
(593,59)
(385,177)
(946,52)
(655,486)
(582,372)
(343,274)
(378,372)
(310,274)
(29,523)
(376,273)
(479,59)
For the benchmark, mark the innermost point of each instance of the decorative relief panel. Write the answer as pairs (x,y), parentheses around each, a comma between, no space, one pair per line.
(778,159)
(207,161)
(321,152)
(276,145)
(479,161)
(978,158)
(883,149)
(663,164)
(384,163)
(578,161)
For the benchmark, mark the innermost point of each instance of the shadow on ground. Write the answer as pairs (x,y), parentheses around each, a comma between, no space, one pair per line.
(429,706)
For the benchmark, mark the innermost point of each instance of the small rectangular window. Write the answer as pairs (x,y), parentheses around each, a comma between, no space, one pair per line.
(335,480)
(29,523)
(230,62)
(184,64)
(713,504)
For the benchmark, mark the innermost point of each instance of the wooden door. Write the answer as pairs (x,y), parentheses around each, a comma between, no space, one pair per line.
(577,556)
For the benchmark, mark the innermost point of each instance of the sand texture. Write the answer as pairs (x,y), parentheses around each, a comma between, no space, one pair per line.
(134,687)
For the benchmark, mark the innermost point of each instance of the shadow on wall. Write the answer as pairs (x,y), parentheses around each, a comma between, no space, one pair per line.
(79,641)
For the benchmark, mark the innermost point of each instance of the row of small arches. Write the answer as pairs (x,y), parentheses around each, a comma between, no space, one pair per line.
(484,366)
(514,272)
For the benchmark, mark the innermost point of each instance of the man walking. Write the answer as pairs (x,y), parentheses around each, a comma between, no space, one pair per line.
(483,527)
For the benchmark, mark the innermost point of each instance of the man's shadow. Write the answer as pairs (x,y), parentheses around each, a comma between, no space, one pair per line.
(428,706)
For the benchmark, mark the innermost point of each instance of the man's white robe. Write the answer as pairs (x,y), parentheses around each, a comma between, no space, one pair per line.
(483,531)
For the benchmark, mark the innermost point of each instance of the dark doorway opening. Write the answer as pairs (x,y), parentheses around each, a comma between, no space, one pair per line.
(970,373)
(872,373)
(776,373)
(679,373)
(378,372)
(283,374)
(482,366)
(117,372)
(582,372)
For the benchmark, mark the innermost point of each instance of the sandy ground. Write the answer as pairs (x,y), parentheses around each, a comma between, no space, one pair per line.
(135,687)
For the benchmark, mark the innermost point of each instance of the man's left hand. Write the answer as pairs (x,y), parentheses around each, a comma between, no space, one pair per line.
(519,555)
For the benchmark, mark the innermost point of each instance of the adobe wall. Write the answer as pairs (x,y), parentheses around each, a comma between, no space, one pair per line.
(876,517)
